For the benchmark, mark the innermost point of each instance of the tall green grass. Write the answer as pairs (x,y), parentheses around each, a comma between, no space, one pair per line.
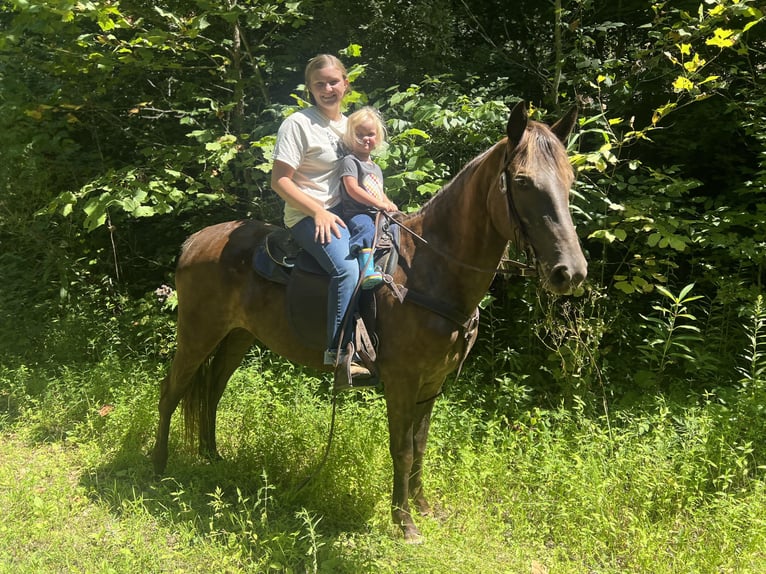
(659,488)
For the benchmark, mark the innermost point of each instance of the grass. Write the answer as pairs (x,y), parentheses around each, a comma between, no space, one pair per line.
(659,489)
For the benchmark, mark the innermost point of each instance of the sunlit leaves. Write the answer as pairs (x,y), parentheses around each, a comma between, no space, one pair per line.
(682,84)
(722,38)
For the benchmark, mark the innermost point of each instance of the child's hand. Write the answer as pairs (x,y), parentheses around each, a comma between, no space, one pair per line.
(389,205)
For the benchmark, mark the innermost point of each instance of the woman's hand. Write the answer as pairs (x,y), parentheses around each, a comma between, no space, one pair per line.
(326,225)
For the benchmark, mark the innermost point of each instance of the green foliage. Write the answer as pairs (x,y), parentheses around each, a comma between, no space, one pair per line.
(434,131)
(754,371)
(748,401)
(672,331)
(654,218)
(658,487)
(126,126)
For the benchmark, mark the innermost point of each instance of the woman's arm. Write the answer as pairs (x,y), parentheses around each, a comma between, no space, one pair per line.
(326,223)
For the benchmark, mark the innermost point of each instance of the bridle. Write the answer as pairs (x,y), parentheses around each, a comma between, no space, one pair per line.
(522,238)
(468,323)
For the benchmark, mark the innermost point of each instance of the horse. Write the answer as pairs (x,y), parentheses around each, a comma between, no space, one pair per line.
(516,191)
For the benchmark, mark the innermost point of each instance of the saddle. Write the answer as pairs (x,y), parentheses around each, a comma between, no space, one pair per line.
(280,259)
(279,255)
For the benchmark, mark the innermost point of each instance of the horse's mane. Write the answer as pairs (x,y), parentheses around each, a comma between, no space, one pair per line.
(539,151)
(466,171)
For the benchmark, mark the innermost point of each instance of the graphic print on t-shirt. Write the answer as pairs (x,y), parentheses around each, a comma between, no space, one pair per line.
(373,185)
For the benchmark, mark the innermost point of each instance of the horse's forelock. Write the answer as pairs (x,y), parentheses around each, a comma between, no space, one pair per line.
(541,151)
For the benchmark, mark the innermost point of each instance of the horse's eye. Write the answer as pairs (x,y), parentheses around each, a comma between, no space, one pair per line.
(522,181)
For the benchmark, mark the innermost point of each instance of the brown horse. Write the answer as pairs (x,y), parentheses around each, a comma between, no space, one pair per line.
(518,190)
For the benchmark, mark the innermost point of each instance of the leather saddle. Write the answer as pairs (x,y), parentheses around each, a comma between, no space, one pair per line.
(279,259)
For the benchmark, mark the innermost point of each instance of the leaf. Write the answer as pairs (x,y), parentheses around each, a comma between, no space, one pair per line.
(723,38)
(143,211)
(662,111)
(666,292)
(414,132)
(609,236)
(625,287)
(683,83)
(695,64)
(677,243)
(352,51)
(428,188)
(685,291)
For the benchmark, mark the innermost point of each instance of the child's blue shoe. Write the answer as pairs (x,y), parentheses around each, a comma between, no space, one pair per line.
(372,278)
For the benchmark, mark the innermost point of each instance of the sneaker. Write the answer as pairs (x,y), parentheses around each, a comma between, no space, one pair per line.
(356,367)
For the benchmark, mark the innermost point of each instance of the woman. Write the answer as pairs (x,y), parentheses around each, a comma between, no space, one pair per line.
(306,155)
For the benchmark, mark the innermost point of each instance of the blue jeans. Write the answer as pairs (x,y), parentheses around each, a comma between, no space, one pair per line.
(362,229)
(333,257)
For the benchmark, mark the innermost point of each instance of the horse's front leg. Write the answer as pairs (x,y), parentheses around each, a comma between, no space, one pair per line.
(401,419)
(419,440)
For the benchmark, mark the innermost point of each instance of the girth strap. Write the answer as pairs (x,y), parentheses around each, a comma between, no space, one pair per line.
(446,310)
(469,324)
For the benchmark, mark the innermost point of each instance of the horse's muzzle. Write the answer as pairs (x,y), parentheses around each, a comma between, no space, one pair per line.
(564,278)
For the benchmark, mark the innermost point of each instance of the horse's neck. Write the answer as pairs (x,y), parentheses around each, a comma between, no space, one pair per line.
(461,237)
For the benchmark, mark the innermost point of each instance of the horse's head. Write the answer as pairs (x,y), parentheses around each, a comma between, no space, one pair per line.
(534,187)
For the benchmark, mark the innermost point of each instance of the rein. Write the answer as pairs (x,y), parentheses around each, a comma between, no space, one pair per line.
(518,268)
(468,324)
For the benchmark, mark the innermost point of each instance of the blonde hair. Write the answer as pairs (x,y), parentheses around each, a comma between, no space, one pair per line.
(360,116)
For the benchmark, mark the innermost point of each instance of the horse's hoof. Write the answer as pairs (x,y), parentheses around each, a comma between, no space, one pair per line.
(413,536)
(158,463)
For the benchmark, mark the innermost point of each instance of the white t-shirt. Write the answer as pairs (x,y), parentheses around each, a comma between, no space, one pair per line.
(311,144)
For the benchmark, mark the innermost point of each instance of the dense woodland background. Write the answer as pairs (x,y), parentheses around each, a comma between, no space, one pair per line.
(125,126)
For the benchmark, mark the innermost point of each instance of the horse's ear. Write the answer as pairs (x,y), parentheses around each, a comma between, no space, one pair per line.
(565,125)
(517,122)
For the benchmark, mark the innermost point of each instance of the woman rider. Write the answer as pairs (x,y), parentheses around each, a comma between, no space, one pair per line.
(304,175)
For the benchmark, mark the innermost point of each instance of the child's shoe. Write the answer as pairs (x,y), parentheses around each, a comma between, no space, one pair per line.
(372,278)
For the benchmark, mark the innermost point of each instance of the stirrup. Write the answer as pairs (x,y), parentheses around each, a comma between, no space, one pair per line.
(351,373)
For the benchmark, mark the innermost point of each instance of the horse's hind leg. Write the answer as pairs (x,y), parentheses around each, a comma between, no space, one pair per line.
(227,358)
(172,389)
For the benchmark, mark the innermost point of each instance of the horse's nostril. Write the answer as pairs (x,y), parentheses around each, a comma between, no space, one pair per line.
(563,278)
(560,276)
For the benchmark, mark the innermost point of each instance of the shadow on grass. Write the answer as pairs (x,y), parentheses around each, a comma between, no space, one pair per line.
(249,503)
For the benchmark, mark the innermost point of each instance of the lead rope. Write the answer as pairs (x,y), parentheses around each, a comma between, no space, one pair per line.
(326,454)
(331,431)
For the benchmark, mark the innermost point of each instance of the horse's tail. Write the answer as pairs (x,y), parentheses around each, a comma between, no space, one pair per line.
(195,402)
